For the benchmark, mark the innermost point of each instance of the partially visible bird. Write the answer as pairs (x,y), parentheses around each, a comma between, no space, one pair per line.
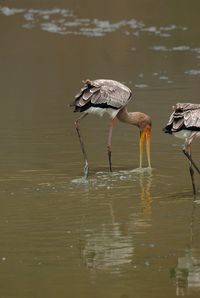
(109,96)
(184,123)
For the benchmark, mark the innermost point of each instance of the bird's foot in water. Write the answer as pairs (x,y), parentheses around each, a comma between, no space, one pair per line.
(109,160)
(86,170)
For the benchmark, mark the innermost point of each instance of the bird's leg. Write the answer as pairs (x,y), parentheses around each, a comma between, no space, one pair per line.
(86,168)
(112,122)
(142,139)
(191,170)
(191,160)
(148,144)
(192,178)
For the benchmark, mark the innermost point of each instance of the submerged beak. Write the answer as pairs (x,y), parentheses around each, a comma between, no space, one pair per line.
(145,135)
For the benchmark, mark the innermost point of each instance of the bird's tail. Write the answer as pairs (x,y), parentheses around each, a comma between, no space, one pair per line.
(72,104)
(167,129)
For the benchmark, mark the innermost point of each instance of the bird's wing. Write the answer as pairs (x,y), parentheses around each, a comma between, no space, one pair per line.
(183,107)
(171,119)
(185,115)
(192,118)
(113,95)
(101,92)
(86,94)
(190,113)
(176,120)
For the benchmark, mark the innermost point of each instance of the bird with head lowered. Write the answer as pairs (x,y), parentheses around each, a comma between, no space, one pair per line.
(111,97)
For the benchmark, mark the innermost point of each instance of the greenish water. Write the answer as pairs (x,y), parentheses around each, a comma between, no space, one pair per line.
(130,233)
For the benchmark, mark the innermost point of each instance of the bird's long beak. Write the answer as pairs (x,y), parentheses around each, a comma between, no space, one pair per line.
(145,135)
(148,145)
(142,139)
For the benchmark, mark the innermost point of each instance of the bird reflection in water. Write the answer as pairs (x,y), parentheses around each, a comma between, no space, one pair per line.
(187,271)
(111,246)
(145,180)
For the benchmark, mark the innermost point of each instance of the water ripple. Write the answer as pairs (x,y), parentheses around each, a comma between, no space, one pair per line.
(181,48)
(193,72)
(65,22)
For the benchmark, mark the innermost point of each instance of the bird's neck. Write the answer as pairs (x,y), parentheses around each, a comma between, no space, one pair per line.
(138,119)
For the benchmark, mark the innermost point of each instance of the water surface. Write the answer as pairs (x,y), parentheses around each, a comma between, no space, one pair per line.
(130,233)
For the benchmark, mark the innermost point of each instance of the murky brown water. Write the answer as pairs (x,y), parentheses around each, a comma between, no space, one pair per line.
(128,234)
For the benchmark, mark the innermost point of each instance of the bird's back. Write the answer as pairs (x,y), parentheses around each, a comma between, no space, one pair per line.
(102,94)
(186,116)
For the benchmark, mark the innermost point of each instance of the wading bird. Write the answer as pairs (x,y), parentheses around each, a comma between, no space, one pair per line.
(109,96)
(184,123)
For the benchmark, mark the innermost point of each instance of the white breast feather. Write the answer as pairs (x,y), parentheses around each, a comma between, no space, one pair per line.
(183,134)
(99,111)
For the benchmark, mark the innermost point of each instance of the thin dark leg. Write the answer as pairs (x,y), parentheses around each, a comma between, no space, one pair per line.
(192,178)
(110,159)
(187,152)
(191,160)
(109,143)
(86,167)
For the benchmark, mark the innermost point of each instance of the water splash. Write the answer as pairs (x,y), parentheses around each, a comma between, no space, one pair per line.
(108,180)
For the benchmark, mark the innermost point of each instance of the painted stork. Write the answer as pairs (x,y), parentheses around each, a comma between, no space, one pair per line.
(184,123)
(108,96)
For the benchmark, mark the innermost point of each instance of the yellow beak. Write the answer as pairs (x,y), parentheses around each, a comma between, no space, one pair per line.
(145,135)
